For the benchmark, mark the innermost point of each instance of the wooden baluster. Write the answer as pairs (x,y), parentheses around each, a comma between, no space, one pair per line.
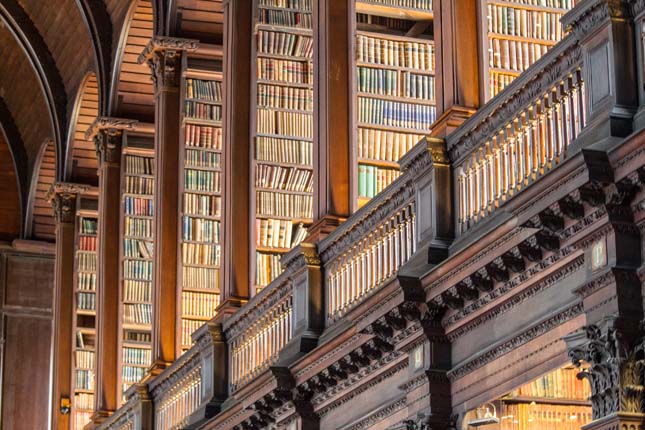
(498,171)
(518,139)
(557,126)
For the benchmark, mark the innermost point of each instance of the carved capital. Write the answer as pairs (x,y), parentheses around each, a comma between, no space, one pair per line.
(584,21)
(163,56)
(62,196)
(108,144)
(615,358)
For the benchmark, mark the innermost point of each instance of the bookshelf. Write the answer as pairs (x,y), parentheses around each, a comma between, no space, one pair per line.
(135,313)
(557,401)
(394,87)
(518,33)
(85,285)
(283,131)
(201,196)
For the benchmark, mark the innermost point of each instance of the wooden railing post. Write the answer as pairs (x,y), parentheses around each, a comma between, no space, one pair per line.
(164,56)
(606,35)
(63,200)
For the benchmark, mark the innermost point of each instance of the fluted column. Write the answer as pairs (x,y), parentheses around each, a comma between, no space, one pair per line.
(107,134)
(63,201)
(164,56)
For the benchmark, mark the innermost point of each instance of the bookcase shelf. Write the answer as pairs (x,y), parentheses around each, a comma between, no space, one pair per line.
(200,206)
(283,132)
(85,288)
(137,253)
(517,33)
(394,96)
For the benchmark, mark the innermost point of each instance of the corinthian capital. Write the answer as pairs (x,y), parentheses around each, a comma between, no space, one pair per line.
(62,196)
(163,56)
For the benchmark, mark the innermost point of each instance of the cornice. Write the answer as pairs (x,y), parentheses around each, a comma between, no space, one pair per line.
(109,123)
(379,415)
(163,43)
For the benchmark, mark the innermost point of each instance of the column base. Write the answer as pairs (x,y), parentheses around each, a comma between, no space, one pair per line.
(618,420)
(451,120)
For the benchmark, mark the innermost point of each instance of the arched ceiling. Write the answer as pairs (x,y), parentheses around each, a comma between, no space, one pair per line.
(82,163)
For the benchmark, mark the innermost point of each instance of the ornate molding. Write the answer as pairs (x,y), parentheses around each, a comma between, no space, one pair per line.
(584,22)
(163,56)
(106,122)
(63,196)
(379,415)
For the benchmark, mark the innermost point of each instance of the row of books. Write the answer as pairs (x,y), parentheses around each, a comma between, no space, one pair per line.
(197,110)
(293,72)
(560,4)
(82,418)
(86,301)
(296,124)
(137,336)
(202,180)
(138,248)
(543,417)
(138,356)
(514,55)
(267,268)
(206,278)
(87,243)
(499,81)
(536,24)
(137,227)
(200,204)
(287,44)
(137,291)
(188,327)
(197,158)
(283,150)
(204,90)
(304,5)
(392,83)
(281,97)
(132,374)
(199,304)
(137,313)
(139,185)
(138,165)
(138,206)
(88,225)
(384,145)
(415,54)
(204,136)
(200,230)
(84,359)
(83,401)
(372,179)
(410,4)
(286,18)
(200,254)
(398,25)
(86,261)
(395,114)
(137,269)
(561,384)
(284,205)
(276,233)
(84,379)
(86,281)
(284,178)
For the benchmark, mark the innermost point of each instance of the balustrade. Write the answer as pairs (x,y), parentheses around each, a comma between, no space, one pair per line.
(134,414)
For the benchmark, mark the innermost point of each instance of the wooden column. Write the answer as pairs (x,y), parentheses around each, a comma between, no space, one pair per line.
(108,138)
(164,56)
(236,176)
(63,200)
(456,34)
(332,116)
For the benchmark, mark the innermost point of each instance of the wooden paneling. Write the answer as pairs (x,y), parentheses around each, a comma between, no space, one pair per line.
(43,216)
(201,19)
(61,25)
(84,163)
(10,213)
(26,319)
(23,96)
(135,91)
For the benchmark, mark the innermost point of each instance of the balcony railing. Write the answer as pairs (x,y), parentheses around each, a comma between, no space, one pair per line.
(520,135)
(367,250)
(177,392)
(134,414)
(259,331)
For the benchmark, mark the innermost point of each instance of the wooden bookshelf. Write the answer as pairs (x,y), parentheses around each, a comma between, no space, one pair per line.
(137,253)
(517,33)
(201,197)
(394,88)
(84,321)
(283,132)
